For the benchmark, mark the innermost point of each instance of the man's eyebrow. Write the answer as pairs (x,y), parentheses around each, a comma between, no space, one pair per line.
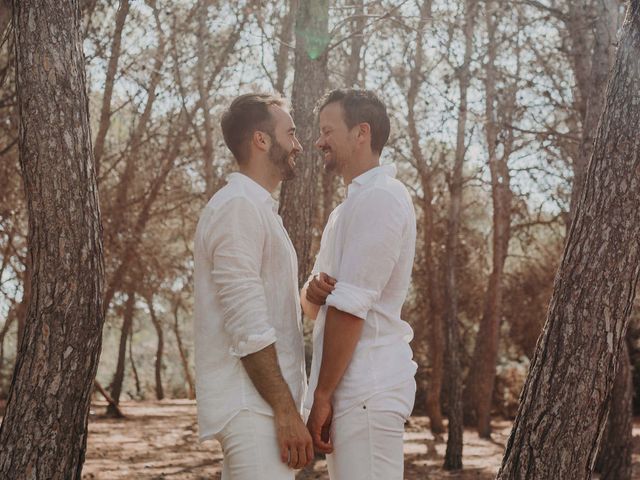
(292,129)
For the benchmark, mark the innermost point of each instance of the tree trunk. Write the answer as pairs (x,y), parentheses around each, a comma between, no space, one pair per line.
(118,376)
(357,42)
(614,457)
(112,70)
(298,197)
(203,93)
(482,373)
(158,364)
(183,354)
(5,16)
(282,60)
(563,405)
(44,431)
(433,328)
(605,15)
(453,454)
(134,369)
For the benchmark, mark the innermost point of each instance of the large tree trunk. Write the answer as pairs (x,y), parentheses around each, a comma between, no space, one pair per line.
(563,406)
(298,197)
(44,431)
(614,457)
(453,454)
(118,376)
(482,374)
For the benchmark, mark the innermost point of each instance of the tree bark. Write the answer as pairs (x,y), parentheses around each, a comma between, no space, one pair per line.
(614,457)
(573,369)
(5,16)
(183,354)
(282,60)
(592,82)
(298,197)
(482,373)
(159,350)
(112,70)
(432,331)
(118,376)
(134,369)
(453,454)
(44,431)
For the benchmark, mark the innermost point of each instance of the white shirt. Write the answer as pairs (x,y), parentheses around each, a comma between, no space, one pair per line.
(368,245)
(246,298)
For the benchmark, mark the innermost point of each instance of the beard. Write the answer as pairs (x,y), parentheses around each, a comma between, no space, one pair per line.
(282,159)
(330,163)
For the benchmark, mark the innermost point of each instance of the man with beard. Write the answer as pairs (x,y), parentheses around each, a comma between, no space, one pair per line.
(362,387)
(248,335)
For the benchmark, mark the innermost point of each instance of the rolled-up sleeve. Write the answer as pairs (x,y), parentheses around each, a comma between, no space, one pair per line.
(372,244)
(234,240)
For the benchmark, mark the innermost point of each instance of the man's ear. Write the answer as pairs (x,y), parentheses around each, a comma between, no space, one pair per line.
(261,140)
(364,133)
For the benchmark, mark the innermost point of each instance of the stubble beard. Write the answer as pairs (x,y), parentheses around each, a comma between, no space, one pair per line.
(280,158)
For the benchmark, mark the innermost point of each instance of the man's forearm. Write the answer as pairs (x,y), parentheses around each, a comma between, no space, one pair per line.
(264,371)
(341,334)
(310,309)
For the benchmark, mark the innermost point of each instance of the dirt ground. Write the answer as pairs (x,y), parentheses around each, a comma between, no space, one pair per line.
(158,440)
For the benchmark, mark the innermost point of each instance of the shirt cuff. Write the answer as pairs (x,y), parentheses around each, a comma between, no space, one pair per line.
(351,299)
(253,343)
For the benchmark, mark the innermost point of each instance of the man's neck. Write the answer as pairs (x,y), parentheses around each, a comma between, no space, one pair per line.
(263,177)
(360,167)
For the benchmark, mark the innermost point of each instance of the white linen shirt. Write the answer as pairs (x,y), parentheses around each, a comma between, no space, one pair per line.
(368,246)
(246,298)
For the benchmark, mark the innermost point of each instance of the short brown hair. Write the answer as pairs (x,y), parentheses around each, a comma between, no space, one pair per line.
(362,106)
(246,114)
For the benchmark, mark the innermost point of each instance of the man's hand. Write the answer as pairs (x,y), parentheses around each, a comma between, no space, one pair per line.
(319,288)
(296,447)
(319,424)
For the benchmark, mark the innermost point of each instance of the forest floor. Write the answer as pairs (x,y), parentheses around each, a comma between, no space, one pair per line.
(158,440)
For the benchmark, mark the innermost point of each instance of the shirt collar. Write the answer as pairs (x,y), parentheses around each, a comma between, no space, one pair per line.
(368,176)
(255,190)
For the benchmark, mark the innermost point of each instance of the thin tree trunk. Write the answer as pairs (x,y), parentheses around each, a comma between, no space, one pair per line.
(5,16)
(44,431)
(357,41)
(134,369)
(118,376)
(482,375)
(432,328)
(563,406)
(107,397)
(203,93)
(614,457)
(282,60)
(605,15)
(158,364)
(453,454)
(183,355)
(112,70)
(298,197)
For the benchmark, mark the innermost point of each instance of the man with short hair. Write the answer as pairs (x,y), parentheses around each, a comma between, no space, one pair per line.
(362,387)
(248,335)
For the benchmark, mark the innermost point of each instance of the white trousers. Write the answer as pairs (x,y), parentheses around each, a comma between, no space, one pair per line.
(250,449)
(367,440)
